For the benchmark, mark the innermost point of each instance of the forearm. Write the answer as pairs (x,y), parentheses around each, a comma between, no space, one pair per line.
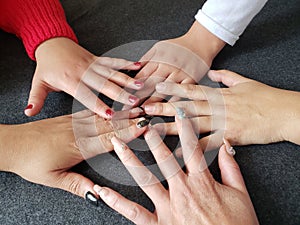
(227,19)
(7,143)
(34,21)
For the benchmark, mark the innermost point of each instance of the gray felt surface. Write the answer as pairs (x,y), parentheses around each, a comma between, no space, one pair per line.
(269,51)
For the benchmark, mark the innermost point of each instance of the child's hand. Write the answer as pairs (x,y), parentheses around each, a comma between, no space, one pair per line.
(181,60)
(63,65)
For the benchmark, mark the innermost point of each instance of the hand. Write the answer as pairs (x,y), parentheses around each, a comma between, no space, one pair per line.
(193,197)
(62,65)
(43,152)
(248,112)
(181,60)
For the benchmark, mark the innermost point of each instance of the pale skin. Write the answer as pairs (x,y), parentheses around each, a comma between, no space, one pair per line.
(58,146)
(247,112)
(185,59)
(63,65)
(193,197)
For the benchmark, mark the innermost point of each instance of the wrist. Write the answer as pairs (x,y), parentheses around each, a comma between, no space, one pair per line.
(203,43)
(52,44)
(292,117)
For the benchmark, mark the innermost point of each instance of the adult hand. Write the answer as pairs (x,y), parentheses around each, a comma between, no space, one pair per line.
(248,112)
(63,65)
(193,197)
(43,152)
(181,60)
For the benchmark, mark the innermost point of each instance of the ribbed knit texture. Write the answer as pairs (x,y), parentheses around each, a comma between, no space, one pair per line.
(34,21)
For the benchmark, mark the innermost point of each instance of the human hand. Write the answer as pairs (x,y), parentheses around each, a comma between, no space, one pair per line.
(181,60)
(248,112)
(63,65)
(193,197)
(43,152)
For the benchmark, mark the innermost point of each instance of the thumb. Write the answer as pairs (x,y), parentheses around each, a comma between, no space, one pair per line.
(230,171)
(37,96)
(79,185)
(227,77)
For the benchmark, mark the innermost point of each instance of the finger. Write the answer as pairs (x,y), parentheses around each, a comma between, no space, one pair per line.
(201,125)
(92,146)
(212,141)
(131,210)
(175,77)
(109,89)
(37,96)
(192,152)
(227,77)
(84,95)
(185,81)
(119,64)
(230,171)
(191,91)
(164,157)
(149,86)
(117,77)
(144,178)
(83,114)
(148,69)
(74,183)
(191,108)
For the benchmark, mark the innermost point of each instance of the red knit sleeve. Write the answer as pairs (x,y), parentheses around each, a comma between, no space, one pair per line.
(34,21)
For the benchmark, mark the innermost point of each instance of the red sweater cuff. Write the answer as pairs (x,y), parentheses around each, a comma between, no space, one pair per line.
(34,21)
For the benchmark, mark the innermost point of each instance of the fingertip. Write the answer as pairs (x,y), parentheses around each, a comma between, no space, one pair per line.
(31,110)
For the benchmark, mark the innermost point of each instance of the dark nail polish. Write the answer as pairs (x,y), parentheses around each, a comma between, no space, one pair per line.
(137,64)
(144,122)
(109,113)
(30,106)
(91,198)
(132,99)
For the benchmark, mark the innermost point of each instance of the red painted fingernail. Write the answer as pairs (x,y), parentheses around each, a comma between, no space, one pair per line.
(137,64)
(139,83)
(109,113)
(133,99)
(30,106)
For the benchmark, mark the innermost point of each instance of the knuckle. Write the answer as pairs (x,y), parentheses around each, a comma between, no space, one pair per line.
(105,140)
(74,186)
(133,213)
(145,179)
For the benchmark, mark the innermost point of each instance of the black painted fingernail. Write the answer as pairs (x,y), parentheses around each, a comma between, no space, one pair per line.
(91,198)
(148,117)
(143,123)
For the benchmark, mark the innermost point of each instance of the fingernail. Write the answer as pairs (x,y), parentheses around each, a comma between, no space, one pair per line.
(139,83)
(143,123)
(136,111)
(133,99)
(137,64)
(230,150)
(30,106)
(180,113)
(149,108)
(91,198)
(109,113)
(160,87)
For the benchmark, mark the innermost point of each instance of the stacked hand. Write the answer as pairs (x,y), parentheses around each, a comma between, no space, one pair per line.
(63,65)
(46,150)
(193,197)
(185,59)
(248,112)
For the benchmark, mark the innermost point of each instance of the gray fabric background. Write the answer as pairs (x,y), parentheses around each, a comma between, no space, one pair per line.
(268,51)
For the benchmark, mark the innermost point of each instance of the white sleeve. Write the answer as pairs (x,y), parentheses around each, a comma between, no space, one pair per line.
(227,19)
